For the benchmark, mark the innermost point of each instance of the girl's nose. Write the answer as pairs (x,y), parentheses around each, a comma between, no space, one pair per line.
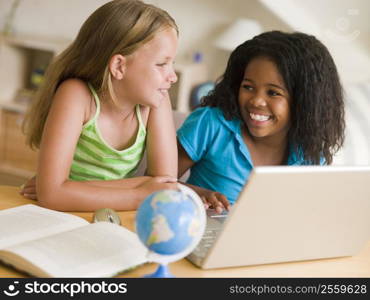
(172,77)
(258,101)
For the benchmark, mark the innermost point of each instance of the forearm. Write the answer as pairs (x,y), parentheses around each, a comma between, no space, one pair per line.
(161,142)
(126,183)
(83,196)
(165,165)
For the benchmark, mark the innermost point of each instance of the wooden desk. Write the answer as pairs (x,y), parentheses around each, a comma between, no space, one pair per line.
(355,266)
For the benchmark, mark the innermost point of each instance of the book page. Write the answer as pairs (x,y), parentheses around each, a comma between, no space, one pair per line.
(97,250)
(28,222)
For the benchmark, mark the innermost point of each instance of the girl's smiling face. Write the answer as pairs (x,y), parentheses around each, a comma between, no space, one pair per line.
(149,71)
(264,101)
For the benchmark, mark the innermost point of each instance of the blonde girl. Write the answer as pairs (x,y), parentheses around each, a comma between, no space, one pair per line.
(104,101)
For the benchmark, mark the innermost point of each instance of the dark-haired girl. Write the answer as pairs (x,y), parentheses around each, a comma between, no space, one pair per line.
(279,102)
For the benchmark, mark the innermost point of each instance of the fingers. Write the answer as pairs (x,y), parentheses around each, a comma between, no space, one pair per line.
(29,187)
(215,203)
(226,204)
(30,196)
(29,190)
(218,202)
(206,204)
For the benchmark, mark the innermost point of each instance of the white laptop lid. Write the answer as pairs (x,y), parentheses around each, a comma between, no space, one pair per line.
(295,213)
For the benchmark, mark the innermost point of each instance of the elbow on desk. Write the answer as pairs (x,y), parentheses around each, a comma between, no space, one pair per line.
(50,197)
(48,201)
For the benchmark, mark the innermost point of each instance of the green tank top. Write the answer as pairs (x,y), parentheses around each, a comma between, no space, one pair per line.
(94,159)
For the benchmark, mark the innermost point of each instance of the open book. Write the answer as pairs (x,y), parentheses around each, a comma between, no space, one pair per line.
(48,243)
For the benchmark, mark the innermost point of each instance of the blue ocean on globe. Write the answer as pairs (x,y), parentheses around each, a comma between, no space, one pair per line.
(167,222)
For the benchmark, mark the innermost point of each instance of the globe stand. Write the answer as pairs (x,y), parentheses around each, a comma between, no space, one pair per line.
(161,272)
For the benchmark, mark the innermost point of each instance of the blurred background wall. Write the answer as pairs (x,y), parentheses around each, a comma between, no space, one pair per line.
(342,25)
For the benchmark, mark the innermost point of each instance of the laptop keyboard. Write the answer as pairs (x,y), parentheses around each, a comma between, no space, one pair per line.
(213,227)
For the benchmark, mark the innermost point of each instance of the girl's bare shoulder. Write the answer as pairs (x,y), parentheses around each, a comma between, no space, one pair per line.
(74,94)
(74,88)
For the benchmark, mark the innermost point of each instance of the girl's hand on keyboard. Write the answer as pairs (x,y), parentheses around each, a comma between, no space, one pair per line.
(214,200)
(211,199)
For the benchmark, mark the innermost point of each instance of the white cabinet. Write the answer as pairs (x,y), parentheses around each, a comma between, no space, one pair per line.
(22,62)
(20,57)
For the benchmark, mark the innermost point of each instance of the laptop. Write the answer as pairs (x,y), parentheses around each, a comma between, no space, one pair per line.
(289,213)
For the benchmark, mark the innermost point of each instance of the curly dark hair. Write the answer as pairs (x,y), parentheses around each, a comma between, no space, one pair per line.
(311,77)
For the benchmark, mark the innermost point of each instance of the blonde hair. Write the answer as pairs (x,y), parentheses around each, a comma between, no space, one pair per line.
(117,27)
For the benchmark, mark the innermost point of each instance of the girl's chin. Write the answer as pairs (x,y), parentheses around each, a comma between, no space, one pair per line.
(153,103)
(257,133)
(256,130)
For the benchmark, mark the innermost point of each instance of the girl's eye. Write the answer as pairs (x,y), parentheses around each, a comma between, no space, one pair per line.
(273,93)
(247,87)
(161,65)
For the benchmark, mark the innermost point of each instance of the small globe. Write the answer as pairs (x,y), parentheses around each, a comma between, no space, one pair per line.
(168,222)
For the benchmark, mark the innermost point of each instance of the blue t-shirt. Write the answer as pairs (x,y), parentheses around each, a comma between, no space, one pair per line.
(222,161)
